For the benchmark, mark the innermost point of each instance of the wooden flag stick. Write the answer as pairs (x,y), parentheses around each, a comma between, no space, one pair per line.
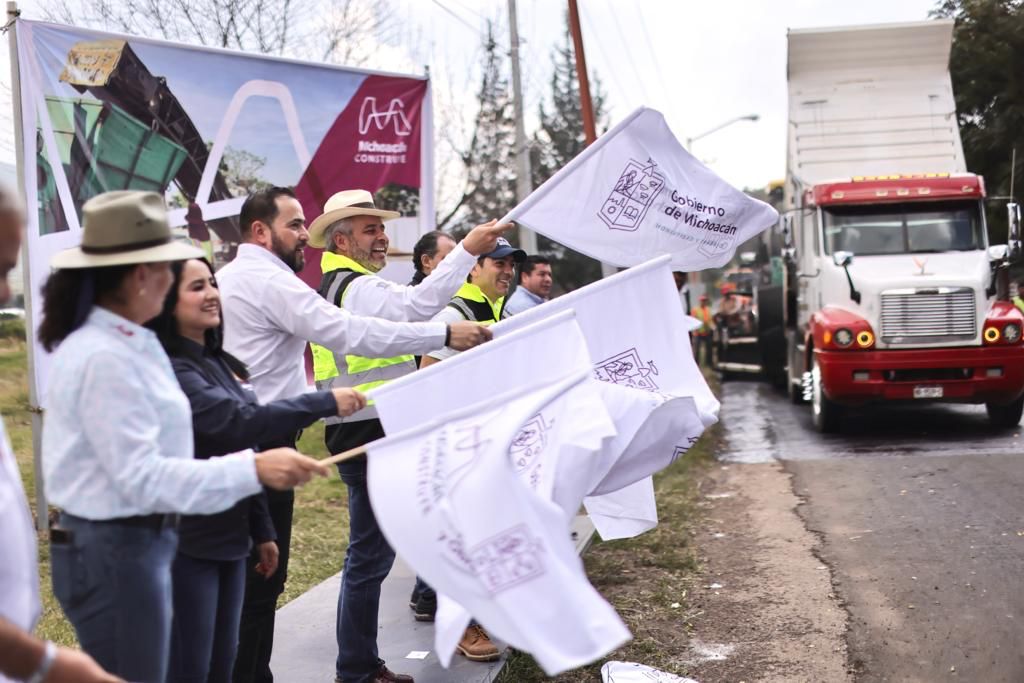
(344,455)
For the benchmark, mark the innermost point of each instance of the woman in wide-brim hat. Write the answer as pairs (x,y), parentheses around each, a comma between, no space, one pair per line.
(117,437)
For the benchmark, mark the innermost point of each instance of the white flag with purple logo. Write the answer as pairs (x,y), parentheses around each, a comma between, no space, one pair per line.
(635,194)
(636,333)
(475,531)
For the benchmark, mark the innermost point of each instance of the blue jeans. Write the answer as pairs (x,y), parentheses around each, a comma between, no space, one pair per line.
(114,584)
(207,610)
(367,562)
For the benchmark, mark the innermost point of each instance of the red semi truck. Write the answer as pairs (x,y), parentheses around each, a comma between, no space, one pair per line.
(891,290)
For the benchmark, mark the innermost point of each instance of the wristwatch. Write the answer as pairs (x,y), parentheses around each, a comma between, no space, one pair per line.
(49,655)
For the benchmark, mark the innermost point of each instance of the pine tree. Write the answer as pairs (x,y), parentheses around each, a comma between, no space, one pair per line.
(490,158)
(559,139)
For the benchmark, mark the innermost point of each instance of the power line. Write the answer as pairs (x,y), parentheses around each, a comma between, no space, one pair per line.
(474,29)
(457,17)
(654,58)
(629,55)
(590,28)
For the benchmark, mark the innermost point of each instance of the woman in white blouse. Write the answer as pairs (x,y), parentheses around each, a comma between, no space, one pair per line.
(117,437)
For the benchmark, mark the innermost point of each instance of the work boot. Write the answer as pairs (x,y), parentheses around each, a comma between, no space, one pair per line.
(477,646)
(426,606)
(385,675)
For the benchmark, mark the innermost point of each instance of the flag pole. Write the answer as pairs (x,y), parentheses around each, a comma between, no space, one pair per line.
(586,104)
(42,518)
(344,455)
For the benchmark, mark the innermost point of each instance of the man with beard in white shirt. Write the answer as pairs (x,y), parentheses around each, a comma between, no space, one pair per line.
(269,316)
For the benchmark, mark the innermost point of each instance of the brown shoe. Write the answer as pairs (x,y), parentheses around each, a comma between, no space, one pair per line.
(386,675)
(477,646)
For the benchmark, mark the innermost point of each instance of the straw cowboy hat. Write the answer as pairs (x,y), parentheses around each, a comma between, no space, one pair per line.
(123,228)
(342,205)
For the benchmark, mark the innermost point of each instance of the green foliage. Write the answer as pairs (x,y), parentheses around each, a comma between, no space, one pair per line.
(12,327)
(986,64)
(401,198)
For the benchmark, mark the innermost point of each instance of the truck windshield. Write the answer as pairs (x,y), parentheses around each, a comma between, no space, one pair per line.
(903,228)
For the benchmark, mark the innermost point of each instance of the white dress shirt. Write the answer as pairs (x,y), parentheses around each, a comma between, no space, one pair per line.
(270,315)
(19,580)
(117,431)
(372,295)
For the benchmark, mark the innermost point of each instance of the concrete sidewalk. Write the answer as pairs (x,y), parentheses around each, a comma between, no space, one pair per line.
(305,647)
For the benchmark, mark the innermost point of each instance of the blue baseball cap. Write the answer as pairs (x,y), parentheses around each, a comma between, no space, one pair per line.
(504,248)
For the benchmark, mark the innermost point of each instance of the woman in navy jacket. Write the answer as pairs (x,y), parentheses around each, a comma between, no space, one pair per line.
(209,571)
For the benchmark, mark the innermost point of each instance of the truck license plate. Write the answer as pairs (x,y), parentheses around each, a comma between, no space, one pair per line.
(927,392)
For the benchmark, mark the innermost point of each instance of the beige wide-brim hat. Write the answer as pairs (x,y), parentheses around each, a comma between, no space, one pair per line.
(124,227)
(343,205)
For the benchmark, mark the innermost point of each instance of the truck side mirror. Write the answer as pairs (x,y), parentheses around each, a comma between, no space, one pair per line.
(788,247)
(997,253)
(1013,220)
(842,258)
(787,232)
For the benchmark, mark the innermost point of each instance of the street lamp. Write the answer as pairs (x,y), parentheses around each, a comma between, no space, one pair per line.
(748,117)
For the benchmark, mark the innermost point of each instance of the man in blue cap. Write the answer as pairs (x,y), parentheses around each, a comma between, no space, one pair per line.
(483,296)
(479,300)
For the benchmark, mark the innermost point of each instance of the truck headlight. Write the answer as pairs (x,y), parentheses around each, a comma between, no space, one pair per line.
(1011,333)
(865,339)
(991,334)
(843,337)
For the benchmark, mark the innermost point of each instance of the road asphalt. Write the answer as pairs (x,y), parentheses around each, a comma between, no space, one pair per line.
(919,510)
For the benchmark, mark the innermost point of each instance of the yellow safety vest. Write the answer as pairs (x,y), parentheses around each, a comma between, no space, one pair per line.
(703,314)
(474,305)
(357,372)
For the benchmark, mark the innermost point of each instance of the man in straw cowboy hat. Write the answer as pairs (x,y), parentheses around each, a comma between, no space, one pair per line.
(117,442)
(269,316)
(352,233)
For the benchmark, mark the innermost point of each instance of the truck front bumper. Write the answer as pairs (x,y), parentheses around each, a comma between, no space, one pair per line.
(966,375)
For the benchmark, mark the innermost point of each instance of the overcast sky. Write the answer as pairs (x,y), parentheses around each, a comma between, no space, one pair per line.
(700,63)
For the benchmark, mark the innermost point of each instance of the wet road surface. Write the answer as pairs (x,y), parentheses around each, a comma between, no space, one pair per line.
(920,512)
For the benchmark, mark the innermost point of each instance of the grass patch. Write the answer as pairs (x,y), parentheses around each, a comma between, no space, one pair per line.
(319,532)
(643,577)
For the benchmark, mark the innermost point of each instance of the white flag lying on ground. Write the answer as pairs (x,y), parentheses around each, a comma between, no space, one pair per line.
(475,531)
(636,332)
(635,194)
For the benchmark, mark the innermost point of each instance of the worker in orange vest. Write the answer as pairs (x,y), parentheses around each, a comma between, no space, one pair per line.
(702,335)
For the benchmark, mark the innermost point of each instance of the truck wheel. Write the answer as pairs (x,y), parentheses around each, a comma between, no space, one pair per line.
(1005,416)
(824,413)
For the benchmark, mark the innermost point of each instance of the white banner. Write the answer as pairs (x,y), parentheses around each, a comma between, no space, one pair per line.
(635,194)
(89,125)
(475,531)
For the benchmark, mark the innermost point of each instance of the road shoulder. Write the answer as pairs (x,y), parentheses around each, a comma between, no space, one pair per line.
(763,608)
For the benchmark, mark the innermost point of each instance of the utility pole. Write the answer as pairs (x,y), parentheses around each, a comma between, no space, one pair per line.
(527,237)
(586,105)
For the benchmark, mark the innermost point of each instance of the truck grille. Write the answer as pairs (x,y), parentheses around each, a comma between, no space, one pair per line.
(928,315)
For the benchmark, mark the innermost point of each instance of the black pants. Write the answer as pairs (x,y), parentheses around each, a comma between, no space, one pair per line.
(256,631)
